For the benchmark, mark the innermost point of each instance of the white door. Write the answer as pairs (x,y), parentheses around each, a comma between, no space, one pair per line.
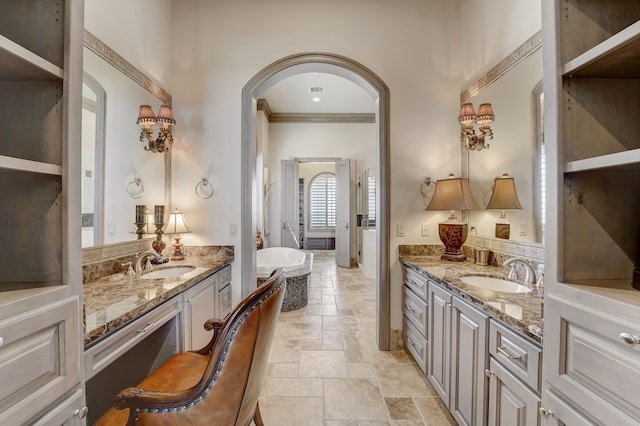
(343,208)
(290,205)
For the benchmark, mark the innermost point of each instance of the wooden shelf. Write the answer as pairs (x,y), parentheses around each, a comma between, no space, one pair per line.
(18,164)
(620,160)
(616,57)
(20,64)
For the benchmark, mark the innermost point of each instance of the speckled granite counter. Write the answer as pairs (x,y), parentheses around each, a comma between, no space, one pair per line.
(523,312)
(110,302)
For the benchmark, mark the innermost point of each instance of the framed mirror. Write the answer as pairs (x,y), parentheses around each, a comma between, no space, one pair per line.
(117,172)
(514,89)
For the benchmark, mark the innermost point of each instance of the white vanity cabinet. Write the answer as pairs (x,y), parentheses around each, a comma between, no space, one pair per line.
(514,378)
(415,316)
(592,313)
(40,283)
(211,298)
(457,355)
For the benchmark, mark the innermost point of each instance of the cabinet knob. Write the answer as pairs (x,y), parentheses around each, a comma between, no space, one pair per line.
(81,413)
(629,339)
(489,373)
(546,413)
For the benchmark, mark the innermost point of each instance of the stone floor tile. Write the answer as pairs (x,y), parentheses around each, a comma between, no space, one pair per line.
(353,399)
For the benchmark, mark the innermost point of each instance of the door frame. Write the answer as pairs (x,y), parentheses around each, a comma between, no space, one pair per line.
(362,76)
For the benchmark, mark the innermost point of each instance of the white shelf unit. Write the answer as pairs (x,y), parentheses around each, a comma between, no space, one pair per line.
(591,54)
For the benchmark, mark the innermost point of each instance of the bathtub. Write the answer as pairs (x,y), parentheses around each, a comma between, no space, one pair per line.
(271,258)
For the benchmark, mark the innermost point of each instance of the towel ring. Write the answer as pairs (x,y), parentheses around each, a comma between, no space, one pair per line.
(204,189)
(135,188)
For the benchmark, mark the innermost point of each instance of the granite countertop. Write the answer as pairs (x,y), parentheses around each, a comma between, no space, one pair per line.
(111,302)
(522,312)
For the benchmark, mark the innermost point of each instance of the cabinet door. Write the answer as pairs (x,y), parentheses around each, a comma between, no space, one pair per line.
(70,412)
(199,306)
(557,412)
(467,399)
(438,340)
(511,403)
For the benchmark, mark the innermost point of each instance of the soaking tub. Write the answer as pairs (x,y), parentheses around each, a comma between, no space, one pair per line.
(297,267)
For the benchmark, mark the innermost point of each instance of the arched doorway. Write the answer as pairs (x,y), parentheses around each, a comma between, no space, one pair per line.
(367,80)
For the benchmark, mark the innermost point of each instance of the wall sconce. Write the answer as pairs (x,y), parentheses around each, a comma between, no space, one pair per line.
(147,120)
(504,198)
(175,227)
(453,194)
(467,118)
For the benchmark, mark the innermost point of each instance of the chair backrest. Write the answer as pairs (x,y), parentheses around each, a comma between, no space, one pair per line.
(228,392)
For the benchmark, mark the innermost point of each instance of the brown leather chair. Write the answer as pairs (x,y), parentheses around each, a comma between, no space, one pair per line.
(217,385)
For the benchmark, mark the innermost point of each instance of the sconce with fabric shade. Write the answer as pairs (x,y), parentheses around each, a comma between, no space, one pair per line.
(468,117)
(147,120)
(176,226)
(453,194)
(503,198)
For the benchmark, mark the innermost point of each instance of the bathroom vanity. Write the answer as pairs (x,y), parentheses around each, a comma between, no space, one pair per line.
(132,325)
(480,349)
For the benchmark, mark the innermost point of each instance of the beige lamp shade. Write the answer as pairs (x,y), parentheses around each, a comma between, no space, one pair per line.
(146,116)
(453,194)
(165,115)
(485,114)
(467,115)
(504,195)
(176,224)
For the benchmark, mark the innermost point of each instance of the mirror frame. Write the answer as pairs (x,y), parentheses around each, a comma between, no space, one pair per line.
(525,50)
(97,46)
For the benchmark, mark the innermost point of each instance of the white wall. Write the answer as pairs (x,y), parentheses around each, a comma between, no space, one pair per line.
(140,31)
(492,29)
(221,45)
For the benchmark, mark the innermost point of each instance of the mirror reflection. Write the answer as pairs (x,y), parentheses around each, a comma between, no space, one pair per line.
(515,150)
(117,172)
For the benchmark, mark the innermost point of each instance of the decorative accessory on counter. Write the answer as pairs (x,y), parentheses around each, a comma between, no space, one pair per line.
(175,227)
(482,256)
(453,194)
(158,244)
(147,120)
(204,189)
(468,117)
(135,188)
(141,220)
(504,198)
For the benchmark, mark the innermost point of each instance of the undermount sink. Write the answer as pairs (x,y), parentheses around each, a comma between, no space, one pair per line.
(168,272)
(495,284)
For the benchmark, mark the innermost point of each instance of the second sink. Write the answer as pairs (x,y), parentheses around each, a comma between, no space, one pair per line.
(168,272)
(495,284)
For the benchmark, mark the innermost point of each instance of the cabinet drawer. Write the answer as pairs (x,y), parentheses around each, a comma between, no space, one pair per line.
(416,344)
(38,359)
(107,351)
(590,364)
(224,302)
(520,356)
(225,276)
(415,310)
(416,282)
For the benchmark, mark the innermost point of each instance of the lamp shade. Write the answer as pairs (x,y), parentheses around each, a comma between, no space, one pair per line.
(485,114)
(504,196)
(146,116)
(165,115)
(176,224)
(467,114)
(453,194)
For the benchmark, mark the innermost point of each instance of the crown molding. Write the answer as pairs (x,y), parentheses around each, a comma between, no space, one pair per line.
(294,117)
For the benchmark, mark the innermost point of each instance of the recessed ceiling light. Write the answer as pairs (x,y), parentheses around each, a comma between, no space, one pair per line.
(316,99)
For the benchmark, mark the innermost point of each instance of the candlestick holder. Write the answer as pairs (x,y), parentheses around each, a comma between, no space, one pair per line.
(158,244)
(141,220)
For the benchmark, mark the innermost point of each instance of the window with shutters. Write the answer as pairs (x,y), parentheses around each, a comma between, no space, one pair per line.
(322,201)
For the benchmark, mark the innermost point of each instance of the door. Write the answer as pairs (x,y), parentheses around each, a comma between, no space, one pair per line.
(343,209)
(290,204)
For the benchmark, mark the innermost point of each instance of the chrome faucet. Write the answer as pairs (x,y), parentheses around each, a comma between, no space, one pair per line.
(529,274)
(142,256)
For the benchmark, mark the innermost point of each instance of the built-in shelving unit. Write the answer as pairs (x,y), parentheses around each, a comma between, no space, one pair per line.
(592,313)
(40,282)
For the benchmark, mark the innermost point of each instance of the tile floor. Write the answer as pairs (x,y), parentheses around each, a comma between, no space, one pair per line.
(325,369)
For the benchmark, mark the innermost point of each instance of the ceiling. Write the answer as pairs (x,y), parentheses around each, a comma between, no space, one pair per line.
(292,95)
